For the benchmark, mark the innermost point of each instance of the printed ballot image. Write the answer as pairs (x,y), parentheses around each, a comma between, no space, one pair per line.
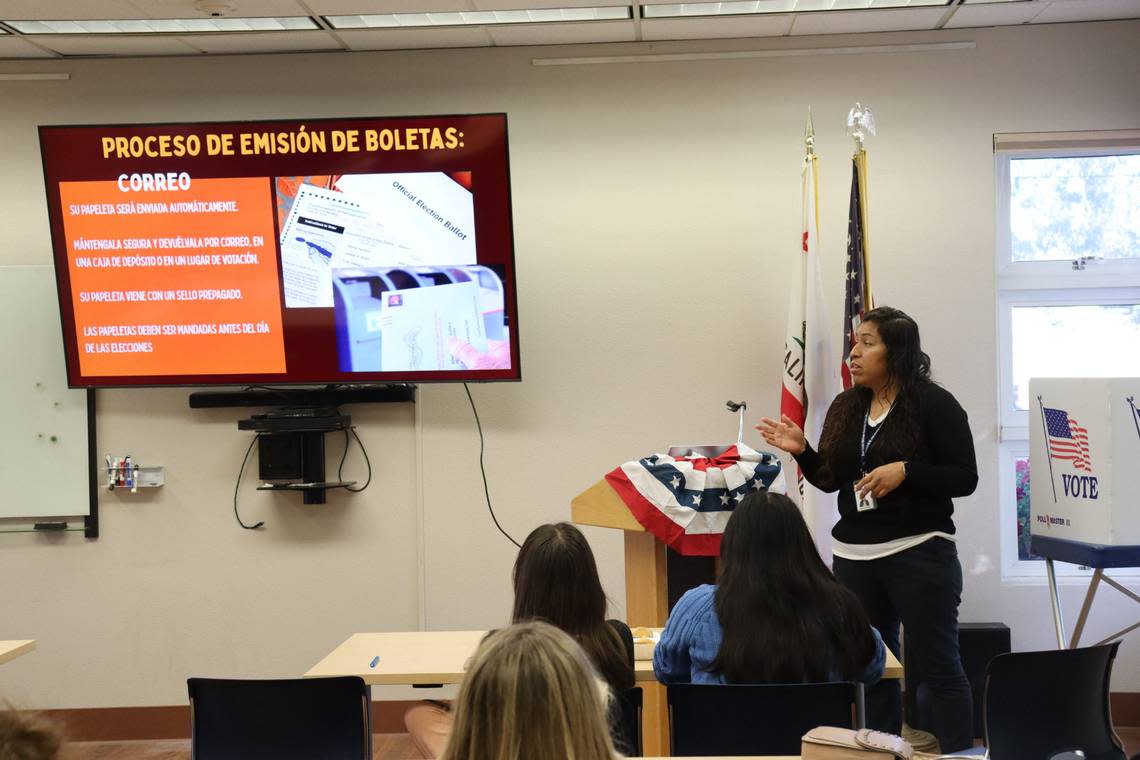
(413,318)
(1084,449)
(371,220)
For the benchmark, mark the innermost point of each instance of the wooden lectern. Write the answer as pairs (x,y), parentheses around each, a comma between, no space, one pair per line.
(646,594)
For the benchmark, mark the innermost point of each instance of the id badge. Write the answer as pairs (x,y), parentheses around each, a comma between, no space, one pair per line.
(866,503)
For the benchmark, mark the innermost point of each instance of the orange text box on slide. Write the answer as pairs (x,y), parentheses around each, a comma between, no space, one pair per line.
(174,281)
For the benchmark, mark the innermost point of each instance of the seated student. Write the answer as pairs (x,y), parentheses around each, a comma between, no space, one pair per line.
(777,615)
(555,580)
(530,692)
(26,736)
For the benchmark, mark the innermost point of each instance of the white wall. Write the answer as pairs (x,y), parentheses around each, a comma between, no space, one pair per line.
(656,209)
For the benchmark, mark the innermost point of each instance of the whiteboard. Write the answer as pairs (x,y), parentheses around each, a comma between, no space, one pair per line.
(44,456)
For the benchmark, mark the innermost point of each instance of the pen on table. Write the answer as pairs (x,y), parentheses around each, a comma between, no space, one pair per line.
(375,660)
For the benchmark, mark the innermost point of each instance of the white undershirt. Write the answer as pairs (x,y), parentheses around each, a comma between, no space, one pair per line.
(866,552)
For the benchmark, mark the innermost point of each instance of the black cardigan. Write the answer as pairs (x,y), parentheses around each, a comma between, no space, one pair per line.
(939,467)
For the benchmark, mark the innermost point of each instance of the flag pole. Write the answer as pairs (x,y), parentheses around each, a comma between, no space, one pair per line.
(861,160)
(1048,456)
(809,145)
(1135,414)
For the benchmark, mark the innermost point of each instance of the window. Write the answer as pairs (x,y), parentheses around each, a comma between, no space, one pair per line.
(1068,300)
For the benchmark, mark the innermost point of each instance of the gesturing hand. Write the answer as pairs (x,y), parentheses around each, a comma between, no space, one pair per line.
(881,481)
(785,435)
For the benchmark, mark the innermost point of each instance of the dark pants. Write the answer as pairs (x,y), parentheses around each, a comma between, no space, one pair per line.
(921,587)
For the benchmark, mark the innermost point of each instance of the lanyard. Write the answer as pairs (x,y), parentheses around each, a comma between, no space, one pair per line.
(865,442)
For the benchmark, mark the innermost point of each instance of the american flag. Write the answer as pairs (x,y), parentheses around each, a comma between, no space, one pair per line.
(858,299)
(1067,440)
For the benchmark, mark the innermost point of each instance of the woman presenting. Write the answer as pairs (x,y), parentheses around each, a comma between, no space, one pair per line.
(898,447)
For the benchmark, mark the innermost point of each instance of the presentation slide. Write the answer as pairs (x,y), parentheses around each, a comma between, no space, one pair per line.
(322,251)
(177,281)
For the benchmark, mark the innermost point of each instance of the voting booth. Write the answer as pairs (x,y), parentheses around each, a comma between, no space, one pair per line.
(1084,451)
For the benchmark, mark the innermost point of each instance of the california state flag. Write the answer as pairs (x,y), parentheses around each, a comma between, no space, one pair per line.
(810,380)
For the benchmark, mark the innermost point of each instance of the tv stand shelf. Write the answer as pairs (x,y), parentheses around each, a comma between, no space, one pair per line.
(305,486)
(291,447)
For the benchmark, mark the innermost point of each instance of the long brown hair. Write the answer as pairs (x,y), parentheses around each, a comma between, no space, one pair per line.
(530,692)
(556,580)
(786,618)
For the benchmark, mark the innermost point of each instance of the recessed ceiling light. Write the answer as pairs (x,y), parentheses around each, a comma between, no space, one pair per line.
(480,18)
(752,7)
(164,25)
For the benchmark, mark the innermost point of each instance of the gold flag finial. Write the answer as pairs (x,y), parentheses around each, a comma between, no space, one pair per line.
(809,135)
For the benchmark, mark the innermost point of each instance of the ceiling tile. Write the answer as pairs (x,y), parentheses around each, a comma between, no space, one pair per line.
(14,47)
(563,34)
(534,5)
(262,42)
(370,7)
(415,39)
(852,22)
(34,10)
(115,45)
(1088,10)
(993,14)
(30,10)
(712,27)
(236,8)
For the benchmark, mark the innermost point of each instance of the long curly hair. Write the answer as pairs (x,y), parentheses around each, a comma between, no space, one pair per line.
(908,369)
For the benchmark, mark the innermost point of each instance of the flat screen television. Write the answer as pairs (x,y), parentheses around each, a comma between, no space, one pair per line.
(339,251)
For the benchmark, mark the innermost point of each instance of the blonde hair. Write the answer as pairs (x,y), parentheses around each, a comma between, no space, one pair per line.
(27,736)
(530,692)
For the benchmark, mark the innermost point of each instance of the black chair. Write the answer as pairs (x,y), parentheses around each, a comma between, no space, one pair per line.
(1039,704)
(288,719)
(747,719)
(625,721)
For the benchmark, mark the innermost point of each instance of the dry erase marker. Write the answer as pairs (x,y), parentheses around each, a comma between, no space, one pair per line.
(375,660)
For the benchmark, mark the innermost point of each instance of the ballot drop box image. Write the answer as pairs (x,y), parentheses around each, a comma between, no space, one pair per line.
(1084,459)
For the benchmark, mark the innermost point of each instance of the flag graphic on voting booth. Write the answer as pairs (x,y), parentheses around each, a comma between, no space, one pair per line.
(1068,441)
(1084,448)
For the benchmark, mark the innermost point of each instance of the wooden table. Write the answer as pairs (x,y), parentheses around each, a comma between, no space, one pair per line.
(10,650)
(420,658)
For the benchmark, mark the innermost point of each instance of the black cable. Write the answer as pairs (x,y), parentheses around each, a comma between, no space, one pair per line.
(344,455)
(486,491)
(238,483)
